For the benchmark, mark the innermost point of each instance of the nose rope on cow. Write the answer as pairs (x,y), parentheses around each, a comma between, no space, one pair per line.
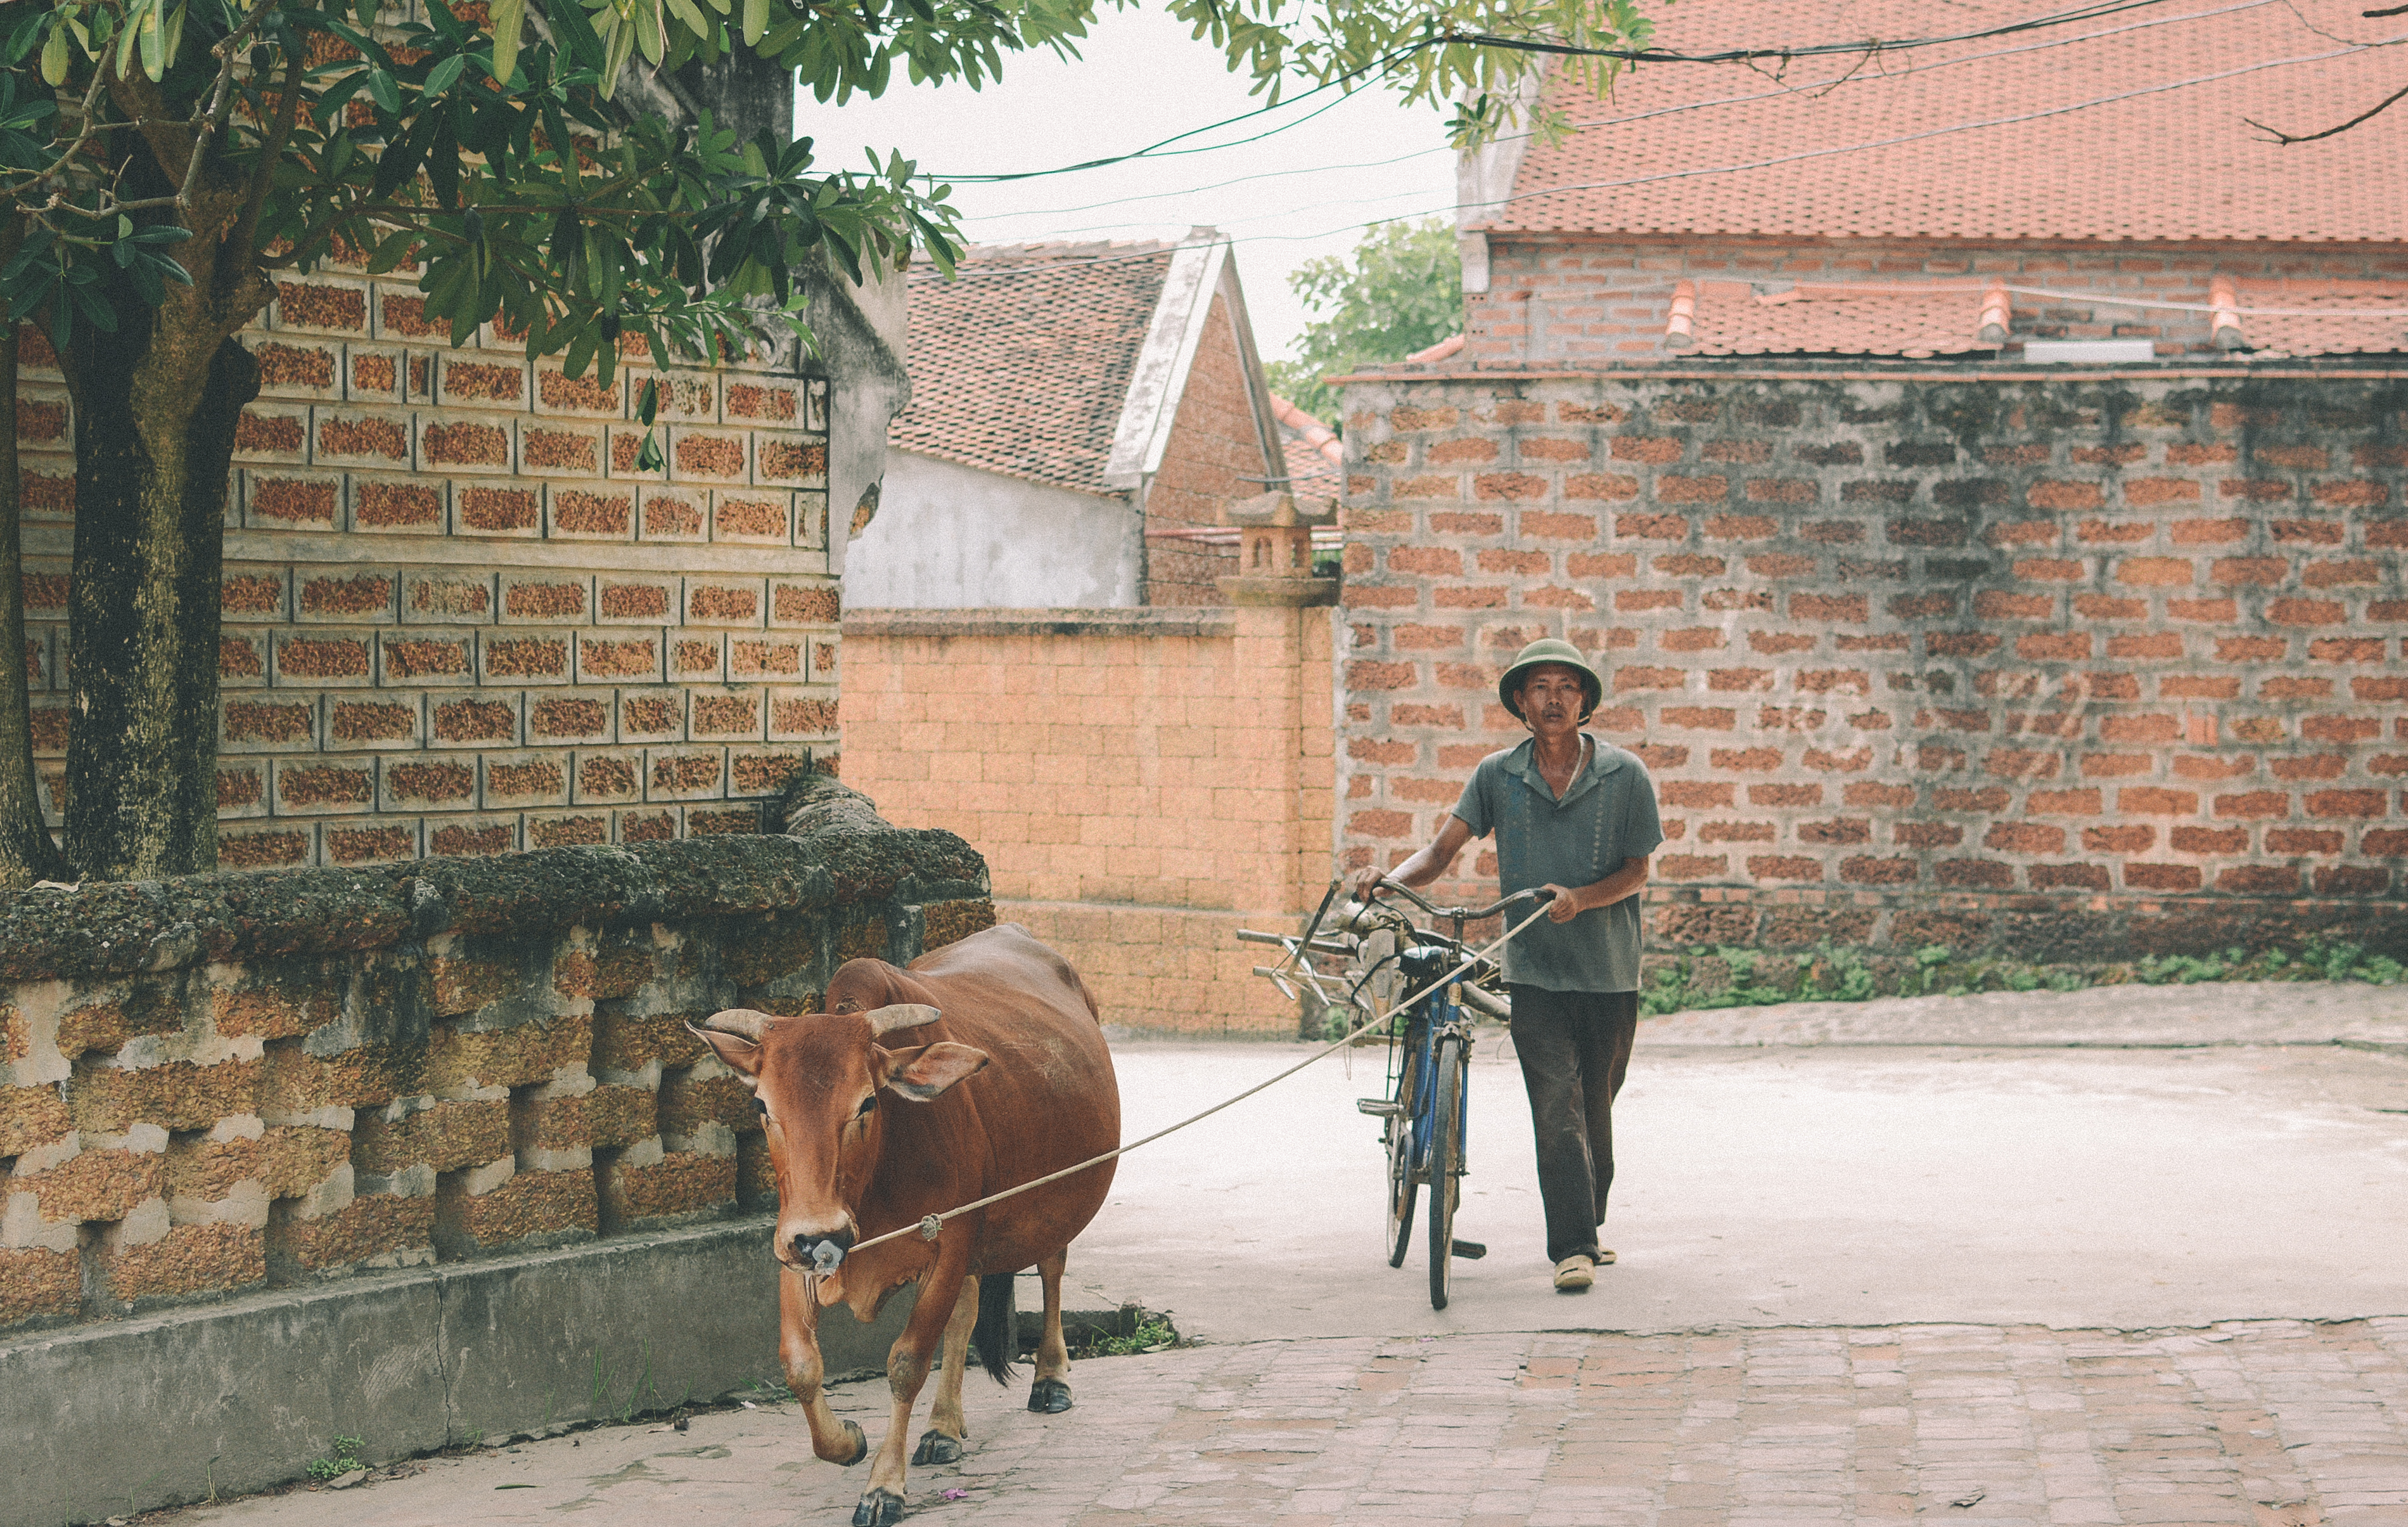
(931,1225)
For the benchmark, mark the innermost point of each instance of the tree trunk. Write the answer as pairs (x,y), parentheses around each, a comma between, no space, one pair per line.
(26,852)
(155,417)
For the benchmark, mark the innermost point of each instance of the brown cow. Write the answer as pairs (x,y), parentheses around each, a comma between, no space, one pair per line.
(999,1007)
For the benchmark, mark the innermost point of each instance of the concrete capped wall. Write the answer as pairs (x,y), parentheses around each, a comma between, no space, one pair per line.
(950,537)
(224,1083)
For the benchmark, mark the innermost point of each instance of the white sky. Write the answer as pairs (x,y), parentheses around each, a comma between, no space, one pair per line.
(1142,79)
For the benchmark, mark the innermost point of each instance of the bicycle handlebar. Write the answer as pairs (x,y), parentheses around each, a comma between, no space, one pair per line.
(1466,913)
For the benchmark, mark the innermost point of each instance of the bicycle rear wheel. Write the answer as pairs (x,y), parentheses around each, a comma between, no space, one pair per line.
(1401,1188)
(1447,1076)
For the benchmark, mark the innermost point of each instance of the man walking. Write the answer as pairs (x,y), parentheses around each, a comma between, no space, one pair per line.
(1576,816)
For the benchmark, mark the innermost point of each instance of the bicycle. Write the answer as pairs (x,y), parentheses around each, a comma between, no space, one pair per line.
(1422,1109)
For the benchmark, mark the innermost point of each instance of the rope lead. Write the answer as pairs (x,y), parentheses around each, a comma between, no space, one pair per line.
(929,1226)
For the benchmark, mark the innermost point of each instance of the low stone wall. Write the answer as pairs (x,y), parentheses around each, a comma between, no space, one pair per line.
(1142,781)
(222,1083)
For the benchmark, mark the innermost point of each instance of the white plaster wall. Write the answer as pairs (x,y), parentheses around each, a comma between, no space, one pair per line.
(948,537)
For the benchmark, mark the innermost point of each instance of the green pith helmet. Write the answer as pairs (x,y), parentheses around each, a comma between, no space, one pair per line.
(1549,650)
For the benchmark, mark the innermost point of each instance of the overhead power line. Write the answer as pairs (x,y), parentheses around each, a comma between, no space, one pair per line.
(1771,162)
(1803,87)
(1534,45)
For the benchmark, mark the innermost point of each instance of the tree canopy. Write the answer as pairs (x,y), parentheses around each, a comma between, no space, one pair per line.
(1400,291)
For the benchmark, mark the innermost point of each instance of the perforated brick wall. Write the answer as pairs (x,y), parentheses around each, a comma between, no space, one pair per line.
(2077,669)
(459,617)
(332,1072)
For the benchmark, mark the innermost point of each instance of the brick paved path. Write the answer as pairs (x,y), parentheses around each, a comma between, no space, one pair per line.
(2272,1424)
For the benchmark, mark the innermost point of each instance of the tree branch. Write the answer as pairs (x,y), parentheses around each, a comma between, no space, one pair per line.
(271,154)
(2279,137)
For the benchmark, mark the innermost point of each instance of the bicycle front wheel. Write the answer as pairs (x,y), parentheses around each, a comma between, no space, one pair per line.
(1447,1078)
(1401,1187)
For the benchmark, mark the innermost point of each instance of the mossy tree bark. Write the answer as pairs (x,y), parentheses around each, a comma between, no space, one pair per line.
(156,406)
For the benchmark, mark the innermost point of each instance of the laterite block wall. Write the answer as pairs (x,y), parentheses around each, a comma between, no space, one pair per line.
(459,618)
(2072,667)
(228,1081)
(1142,783)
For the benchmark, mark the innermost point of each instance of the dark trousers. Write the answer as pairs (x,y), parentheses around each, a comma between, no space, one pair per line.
(1574,1048)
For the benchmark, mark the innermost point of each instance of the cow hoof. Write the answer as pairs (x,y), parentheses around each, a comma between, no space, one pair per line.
(860,1443)
(937,1448)
(1049,1397)
(878,1508)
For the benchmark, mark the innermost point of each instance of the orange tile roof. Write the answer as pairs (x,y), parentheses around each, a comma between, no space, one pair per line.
(2332,331)
(2136,132)
(1311,448)
(1917,319)
(1731,318)
(1021,364)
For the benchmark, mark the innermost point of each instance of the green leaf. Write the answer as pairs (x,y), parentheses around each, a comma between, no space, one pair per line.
(54,57)
(154,40)
(650,459)
(384,91)
(648,402)
(756,21)
(174,34)
(570,22)
(509,19)
(444,75)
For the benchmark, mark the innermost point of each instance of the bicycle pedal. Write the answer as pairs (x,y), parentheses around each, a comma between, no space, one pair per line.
(1380,1107)
(1469,1250)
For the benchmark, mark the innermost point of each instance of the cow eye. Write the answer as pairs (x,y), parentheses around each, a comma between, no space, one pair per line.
(868,1106)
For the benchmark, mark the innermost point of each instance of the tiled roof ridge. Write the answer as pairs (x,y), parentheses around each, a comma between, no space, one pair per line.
(1056,249)
(1314,434)
(1921,319)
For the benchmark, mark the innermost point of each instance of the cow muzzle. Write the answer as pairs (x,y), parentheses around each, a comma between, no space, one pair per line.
(818,1252)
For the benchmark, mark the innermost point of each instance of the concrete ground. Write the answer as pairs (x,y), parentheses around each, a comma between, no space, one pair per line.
(2112,1257)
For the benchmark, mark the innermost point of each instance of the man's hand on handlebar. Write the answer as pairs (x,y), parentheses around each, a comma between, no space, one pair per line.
(1368,881)
(1564,903)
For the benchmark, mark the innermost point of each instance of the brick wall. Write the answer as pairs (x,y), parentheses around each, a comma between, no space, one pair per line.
(459,618)
(2074,667)
(1588,302)
(1214,457)
(280,1079)
(1141,783)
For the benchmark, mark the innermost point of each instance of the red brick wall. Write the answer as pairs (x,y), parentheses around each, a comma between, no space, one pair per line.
(459,619)
(2064,667)
(1215,455)
(1590,302)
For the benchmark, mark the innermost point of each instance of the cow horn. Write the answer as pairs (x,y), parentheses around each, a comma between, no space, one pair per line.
(742,1022)
(884,1020)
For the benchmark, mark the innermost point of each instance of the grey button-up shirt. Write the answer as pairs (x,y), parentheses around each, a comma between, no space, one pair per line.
(1607,816)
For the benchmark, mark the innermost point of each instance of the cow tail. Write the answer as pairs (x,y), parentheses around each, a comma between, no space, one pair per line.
(996,1335)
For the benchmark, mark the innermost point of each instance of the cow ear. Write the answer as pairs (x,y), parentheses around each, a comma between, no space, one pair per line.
(742,1056)
(923,1075)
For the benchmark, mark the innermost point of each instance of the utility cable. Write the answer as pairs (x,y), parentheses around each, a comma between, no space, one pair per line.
(1868,46)
(1807,87)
